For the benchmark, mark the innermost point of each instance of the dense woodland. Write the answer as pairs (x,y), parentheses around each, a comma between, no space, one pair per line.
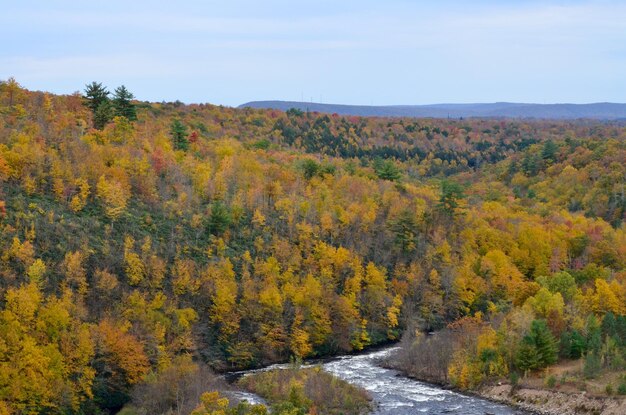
(134,235)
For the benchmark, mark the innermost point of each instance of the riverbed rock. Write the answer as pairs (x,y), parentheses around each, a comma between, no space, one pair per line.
(549,402)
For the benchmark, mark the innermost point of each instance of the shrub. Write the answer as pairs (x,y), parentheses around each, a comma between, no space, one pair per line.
(592,365)
(550,381)
(308,390)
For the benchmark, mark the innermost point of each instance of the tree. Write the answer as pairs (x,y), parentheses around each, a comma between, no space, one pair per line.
(432,307)
(294,112)
(451,194)
(120,362)
(45,354)
(122,104)
(531,164)
(114,196)
(561,282)
(96,98)
(549,150)
(212,403)
(12,89)
(310,168)
(544,341)
(299,343)
(176,389)
(609,326)
(219,219)
(526,357)
(386,170)
(103,114)
(594,334)
(223,312)
(573,344)
(178,131)
(95,95)
(544,303)
(538,349)
(405,230)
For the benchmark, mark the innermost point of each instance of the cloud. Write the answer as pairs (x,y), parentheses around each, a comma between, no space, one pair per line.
(367,51)
(34,68)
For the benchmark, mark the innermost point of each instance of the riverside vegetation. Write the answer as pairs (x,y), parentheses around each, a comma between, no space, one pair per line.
(308,390)
(135,236)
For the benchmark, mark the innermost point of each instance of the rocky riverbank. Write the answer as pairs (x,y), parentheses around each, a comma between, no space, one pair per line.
(549,402)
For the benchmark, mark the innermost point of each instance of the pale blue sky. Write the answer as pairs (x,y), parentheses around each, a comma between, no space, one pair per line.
(353,52)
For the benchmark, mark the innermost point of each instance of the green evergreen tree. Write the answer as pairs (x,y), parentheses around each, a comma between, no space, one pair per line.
(310,168)
(574,344)
(609,326)
(386,170)
(220,218)
(549,150)
(593,364)
(451,194)
(539,348)
(621,330)
(594,334)
(531,164)
(95,94)
(96,98)
(526,357)
(178,130)
(104,113)
(547,346)
(122,103)
(593,361)
(405,231)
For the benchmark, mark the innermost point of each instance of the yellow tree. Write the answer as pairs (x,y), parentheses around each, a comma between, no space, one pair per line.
(45,353)
(223,311)
(134,266)
(114,196)
(299,342)
(75,273)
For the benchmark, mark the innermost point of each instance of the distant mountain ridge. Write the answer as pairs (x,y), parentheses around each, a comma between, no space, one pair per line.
(601,110)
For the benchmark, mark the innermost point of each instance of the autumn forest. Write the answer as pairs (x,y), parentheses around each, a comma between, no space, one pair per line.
(141,241)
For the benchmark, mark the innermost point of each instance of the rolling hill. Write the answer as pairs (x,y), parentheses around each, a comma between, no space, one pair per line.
(602,110)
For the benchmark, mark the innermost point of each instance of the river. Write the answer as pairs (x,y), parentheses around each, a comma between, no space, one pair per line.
(395,394)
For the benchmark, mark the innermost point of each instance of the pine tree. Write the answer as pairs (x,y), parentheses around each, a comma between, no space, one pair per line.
(539,348)
(122,103)
(621,330)
(594,334)
(549,150)
(609,325)
(527,358)
(104,113)
(310,168)
(405,231)
(573,344)
(96,98)
(386,170)
(178,130)
(544,341)
(451,194)
(95,95)
(220,218)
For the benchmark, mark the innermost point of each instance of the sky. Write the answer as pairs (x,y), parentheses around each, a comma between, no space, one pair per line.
(368,52)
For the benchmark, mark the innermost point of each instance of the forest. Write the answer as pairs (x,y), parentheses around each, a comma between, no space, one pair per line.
(142,241)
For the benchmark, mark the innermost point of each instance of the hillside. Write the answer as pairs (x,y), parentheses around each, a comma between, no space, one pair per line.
(173,238)
(600,111)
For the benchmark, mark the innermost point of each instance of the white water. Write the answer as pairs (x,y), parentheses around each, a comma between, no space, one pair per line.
(399,395)
(395,394)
